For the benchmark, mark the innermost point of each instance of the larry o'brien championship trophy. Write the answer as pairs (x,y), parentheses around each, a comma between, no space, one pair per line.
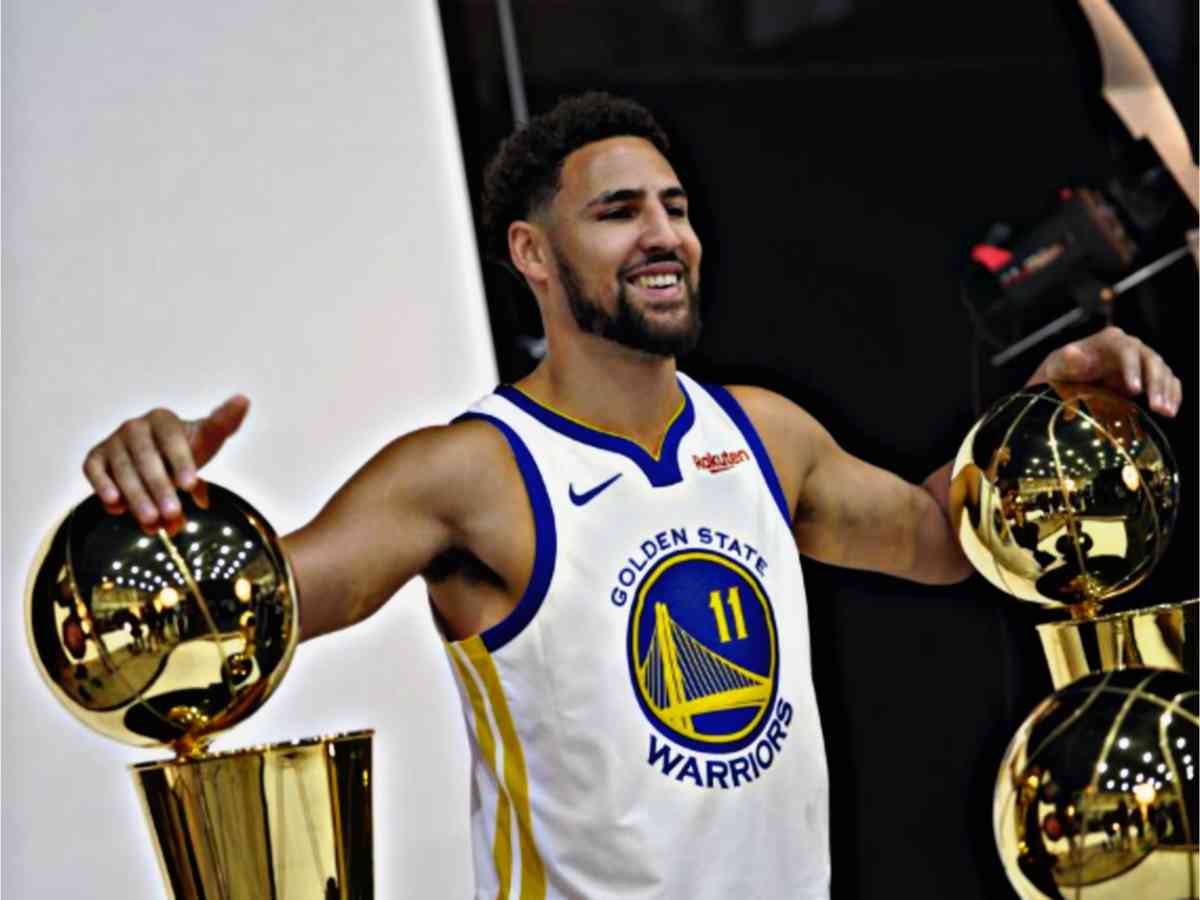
(1065,496)
(164,640)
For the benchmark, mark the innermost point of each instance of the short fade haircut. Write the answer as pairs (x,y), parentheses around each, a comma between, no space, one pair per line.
(523,176)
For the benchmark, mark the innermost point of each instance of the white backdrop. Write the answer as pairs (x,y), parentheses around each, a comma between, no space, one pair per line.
(208,198)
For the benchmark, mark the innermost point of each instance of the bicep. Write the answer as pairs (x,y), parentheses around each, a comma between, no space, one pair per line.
(851,513)
(385,525)
(848,512)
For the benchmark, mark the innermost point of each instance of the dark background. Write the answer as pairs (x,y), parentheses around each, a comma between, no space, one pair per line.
(842,157)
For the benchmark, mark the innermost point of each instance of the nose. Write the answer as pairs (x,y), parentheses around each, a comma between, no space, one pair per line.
(659,233)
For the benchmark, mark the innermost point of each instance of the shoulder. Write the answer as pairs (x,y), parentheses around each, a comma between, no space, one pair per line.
(795,441)
(775,417)
(445,465)
(467,440)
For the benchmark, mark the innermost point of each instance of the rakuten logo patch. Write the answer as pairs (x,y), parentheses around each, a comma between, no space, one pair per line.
(719,462)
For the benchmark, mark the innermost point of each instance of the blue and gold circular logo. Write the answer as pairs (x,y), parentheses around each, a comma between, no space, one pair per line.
(703,654)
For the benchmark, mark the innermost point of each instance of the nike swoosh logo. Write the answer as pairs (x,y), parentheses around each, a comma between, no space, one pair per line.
(580,499)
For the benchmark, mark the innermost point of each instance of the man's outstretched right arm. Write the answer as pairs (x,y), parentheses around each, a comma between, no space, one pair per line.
(417,497)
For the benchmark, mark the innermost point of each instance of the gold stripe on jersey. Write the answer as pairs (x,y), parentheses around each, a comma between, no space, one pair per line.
(533,874)
(655,454)
(502,842)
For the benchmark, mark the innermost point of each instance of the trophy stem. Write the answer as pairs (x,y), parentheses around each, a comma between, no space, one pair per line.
(289,820)
(1158,637)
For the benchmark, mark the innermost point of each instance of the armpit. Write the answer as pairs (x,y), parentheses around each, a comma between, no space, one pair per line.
(461,563)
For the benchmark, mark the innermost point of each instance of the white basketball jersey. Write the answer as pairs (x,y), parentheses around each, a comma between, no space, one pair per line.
(643,724)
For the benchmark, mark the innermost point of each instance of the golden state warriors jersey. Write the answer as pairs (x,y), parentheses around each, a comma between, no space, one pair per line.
(643,723)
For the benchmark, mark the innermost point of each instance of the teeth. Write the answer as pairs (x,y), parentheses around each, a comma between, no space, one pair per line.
(658,281)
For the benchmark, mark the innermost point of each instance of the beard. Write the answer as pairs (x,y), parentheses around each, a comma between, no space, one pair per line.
(628,325)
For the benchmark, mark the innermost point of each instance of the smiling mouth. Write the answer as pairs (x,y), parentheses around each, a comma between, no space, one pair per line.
(662,289)
(661,280)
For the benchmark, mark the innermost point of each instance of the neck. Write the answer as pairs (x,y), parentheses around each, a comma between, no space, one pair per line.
(608,386)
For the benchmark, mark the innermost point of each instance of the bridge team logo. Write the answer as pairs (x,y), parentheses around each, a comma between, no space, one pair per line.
(703,652)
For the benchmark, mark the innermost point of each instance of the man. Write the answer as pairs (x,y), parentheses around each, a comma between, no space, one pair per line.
(611,548)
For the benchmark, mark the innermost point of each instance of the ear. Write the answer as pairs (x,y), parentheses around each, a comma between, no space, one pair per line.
(529,250)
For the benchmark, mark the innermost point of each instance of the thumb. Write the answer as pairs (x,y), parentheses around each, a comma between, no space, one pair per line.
(209,433)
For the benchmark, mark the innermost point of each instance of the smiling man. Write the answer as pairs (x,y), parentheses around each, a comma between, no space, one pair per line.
(612,549)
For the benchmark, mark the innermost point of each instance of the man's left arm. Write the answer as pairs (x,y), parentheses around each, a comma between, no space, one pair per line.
(847,512)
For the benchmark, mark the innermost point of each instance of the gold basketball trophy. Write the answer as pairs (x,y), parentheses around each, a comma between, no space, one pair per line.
(1065,496)
(165,640)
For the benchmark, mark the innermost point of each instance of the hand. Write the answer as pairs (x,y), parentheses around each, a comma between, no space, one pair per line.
(141,465)
(1118,361)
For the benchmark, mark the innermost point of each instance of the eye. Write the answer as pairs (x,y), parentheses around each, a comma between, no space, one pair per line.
(678,212)
(621,212)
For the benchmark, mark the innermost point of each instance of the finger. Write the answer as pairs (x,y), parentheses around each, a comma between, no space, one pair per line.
(1129,360)
(212,431)
(175,526)
(96,472)
(1158,379)
(1173,394)
(116,509)
(171,437)
(139,439)
(200,493)
(130,484)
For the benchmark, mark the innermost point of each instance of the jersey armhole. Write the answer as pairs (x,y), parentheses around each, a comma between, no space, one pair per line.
(545,539)
(734,410)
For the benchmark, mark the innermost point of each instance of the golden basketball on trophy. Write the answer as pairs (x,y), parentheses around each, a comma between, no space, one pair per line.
(1066,496)
(165,640)
(1097,791)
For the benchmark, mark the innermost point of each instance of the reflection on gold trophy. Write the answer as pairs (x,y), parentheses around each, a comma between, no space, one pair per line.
(165,640)
(1065,496)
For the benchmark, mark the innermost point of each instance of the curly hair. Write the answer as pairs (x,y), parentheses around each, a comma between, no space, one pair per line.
(523,176)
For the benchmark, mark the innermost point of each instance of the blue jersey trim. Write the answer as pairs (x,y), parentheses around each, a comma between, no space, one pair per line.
(546,540)
(660,472)
(734,410)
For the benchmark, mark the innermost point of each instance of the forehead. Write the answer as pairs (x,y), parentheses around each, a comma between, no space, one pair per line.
(615,163)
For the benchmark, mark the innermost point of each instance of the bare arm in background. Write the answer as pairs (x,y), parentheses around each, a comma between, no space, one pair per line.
(850,513)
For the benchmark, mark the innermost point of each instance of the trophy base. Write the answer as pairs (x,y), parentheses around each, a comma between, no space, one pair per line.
(289,820)
(1158,637)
